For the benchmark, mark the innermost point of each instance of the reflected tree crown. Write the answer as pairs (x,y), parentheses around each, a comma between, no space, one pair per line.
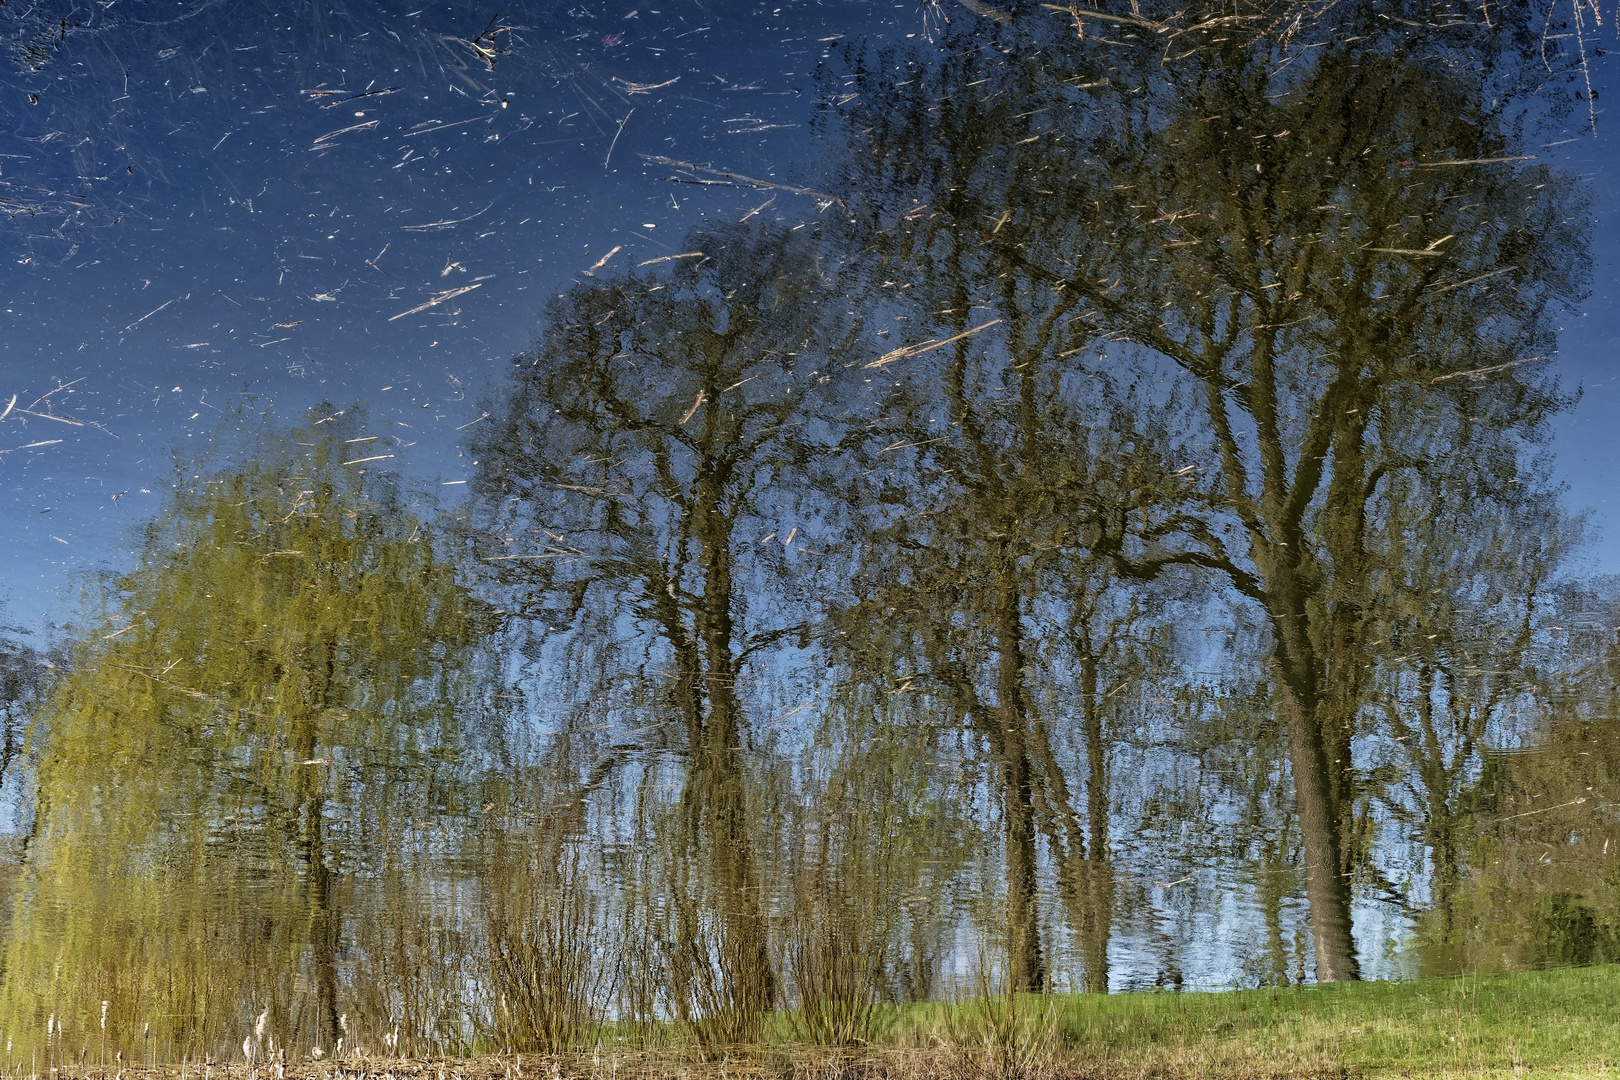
(1329,245)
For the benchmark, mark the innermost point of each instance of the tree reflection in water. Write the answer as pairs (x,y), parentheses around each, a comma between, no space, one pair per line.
(1126,513)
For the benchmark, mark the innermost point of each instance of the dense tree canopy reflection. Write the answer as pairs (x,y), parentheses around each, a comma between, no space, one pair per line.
(1335,263)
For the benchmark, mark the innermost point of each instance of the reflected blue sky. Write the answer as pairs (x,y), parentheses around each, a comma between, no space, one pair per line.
(207,201)
(1588,439)
(349,202)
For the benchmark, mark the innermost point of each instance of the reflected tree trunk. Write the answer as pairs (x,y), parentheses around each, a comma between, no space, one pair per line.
(1099,915)
(309,787)
(1327,888)
(1027,968)
(1275,873)
(1440,814)
(718,766)
(325,926)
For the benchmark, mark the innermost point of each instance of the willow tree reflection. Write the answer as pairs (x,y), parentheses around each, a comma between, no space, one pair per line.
(641,462)
(241,759)
(1333,252)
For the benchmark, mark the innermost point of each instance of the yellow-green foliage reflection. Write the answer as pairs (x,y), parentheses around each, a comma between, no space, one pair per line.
(245,756)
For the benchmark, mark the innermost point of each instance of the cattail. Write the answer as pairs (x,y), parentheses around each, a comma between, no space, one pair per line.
(104,1006)
(264,1022)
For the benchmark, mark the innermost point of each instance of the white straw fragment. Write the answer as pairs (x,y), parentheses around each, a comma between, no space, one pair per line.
(921,347)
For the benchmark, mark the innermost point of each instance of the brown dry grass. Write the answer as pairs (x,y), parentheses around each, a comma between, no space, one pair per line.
(774,1063)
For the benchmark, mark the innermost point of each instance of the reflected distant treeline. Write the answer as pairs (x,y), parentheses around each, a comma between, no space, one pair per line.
(1111,547)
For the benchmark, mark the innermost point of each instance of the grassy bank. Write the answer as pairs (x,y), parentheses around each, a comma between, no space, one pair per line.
(1527,1026)
(1532,1024)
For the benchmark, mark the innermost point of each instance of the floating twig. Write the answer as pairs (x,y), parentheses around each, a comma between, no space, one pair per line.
(742,178)
(906,351)
(448,294)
